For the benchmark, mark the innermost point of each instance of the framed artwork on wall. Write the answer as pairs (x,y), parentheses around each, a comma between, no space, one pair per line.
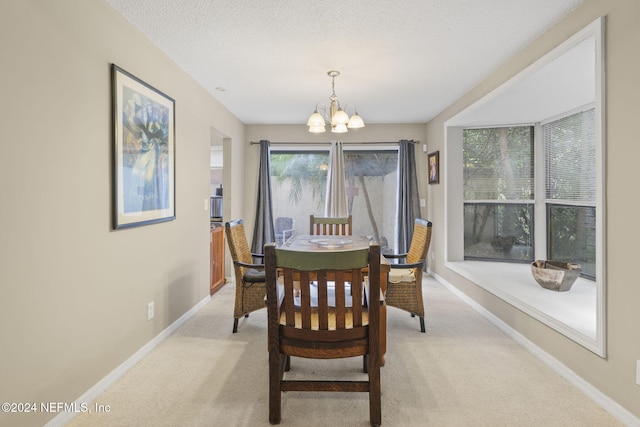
(143,152)
(434,167)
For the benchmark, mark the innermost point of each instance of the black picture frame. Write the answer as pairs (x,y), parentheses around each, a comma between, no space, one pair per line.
(143,152)
(434,167)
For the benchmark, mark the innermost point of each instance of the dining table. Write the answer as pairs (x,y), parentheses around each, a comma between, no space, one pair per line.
(313,244)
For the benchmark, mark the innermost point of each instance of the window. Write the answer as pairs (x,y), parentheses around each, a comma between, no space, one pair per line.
(570,181)
(299,180)
(499,194)
(498,175)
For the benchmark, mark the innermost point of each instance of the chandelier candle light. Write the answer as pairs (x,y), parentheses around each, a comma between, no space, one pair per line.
(338,118)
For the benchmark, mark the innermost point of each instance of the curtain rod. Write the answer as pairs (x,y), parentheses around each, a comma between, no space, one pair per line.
(324,142)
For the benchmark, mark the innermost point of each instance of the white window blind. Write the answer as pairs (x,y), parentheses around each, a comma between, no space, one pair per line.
(570,147)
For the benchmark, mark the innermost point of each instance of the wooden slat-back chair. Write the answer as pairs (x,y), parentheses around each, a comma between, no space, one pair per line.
(322,226)
(250,279)
(327,318)
(404,287)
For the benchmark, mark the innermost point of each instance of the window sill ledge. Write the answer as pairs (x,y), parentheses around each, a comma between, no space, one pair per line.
(572,313)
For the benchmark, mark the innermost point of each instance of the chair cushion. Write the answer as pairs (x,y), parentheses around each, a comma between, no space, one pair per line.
(253,275)
(399,275)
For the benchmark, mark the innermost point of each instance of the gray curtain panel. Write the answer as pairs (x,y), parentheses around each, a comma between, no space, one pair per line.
(263,230)
(408,202)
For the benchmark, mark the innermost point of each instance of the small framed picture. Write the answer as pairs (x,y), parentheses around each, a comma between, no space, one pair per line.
(144,152)
(434,168)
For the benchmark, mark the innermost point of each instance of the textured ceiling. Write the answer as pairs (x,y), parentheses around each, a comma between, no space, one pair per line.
(401,61)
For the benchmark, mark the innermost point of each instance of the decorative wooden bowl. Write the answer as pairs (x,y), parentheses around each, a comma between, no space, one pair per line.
(555,275)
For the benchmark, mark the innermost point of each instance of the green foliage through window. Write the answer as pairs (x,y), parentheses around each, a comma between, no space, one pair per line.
(499,192)
(498,170)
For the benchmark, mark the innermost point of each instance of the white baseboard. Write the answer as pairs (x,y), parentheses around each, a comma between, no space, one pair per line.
(94,392)
(608,404)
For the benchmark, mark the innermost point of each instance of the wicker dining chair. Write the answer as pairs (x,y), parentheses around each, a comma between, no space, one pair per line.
(250,278)
(321,306)
(322,226)
(404,287)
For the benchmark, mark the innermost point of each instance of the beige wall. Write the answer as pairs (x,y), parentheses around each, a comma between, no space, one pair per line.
(615,375)
(74,292)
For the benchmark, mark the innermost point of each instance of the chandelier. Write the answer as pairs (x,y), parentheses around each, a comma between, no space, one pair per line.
(338,118)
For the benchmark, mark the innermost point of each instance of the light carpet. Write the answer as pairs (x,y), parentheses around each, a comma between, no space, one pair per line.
(462,372)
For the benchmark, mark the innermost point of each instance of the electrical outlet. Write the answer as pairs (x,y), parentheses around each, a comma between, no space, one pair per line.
(638,372)
(433,256)
(150,310)
(206,204)
(423,203)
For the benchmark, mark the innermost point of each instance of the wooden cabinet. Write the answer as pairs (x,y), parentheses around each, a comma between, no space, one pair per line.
(217,258)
